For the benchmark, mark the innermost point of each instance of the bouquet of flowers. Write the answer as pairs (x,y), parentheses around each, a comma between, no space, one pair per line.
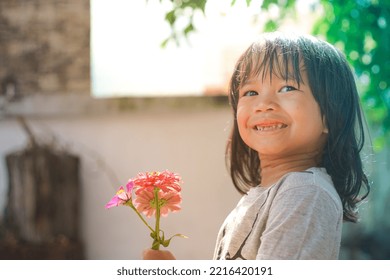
(152,194)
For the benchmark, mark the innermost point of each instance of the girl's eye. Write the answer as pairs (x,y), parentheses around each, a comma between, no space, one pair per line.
(250,93)
(287,89)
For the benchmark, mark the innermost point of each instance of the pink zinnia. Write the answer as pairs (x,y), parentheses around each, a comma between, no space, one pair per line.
(145,202)
(153,194)
(165,181)
(121,197)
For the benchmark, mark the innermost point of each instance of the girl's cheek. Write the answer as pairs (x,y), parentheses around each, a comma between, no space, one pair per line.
(241,118)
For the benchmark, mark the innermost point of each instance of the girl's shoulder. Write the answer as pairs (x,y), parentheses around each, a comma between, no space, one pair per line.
(313,181)
(311,176)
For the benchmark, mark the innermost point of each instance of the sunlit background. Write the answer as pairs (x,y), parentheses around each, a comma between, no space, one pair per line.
(128,60)
(89,98)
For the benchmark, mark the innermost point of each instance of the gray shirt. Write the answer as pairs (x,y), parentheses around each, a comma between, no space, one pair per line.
(299,217)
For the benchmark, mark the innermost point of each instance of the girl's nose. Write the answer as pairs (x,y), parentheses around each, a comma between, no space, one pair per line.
(265,102)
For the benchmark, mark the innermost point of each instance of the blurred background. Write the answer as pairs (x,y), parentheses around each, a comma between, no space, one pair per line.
(93,92)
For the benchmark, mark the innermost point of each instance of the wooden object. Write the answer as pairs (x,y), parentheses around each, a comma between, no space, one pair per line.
(42,212)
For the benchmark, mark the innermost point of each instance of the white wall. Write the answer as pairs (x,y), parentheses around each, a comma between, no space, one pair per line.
(189,142)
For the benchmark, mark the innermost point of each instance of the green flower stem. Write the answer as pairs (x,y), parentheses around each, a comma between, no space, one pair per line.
(157,241)
(142,219)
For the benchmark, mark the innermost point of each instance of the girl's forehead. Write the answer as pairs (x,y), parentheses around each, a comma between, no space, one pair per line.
(280,66)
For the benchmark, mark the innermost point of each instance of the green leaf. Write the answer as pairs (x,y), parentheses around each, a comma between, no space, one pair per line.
(165,243)
(170,17)
(202,5)
(155,245)
(270,26)
(189,28)
(266,3)
(165,43)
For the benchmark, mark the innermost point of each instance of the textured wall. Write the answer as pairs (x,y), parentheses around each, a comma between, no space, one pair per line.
(44,46)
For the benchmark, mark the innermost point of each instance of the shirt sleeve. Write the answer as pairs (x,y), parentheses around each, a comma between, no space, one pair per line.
(304,222)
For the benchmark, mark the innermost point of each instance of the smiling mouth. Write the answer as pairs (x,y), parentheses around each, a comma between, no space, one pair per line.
(270,127)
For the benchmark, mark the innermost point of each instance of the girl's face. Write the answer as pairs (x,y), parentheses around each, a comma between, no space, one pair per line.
(278,118)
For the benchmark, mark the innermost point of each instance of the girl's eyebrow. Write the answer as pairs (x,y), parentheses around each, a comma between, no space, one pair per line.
(247,83)
(291,79)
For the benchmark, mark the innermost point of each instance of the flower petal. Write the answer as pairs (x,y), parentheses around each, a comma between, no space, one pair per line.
(115,201)
(165,181)
(121,197)
(130,186)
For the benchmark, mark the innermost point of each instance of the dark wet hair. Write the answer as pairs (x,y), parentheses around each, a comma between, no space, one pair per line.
(333,86)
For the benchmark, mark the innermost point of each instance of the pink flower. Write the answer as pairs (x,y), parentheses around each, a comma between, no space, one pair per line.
(165,181)
(155,194)
(121,197)
(145,202)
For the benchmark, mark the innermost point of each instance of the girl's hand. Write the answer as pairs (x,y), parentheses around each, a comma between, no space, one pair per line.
(150,254)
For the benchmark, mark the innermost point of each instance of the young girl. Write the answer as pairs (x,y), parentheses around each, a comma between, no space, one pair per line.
(293,152)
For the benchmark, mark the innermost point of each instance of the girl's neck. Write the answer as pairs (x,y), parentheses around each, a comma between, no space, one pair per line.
(272,169)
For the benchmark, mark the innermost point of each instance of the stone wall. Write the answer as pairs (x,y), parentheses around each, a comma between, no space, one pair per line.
(44,47)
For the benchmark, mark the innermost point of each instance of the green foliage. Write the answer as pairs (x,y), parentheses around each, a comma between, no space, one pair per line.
(185,10)
(360,28)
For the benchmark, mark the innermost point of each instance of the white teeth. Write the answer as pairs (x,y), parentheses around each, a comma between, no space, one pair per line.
(271,127)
